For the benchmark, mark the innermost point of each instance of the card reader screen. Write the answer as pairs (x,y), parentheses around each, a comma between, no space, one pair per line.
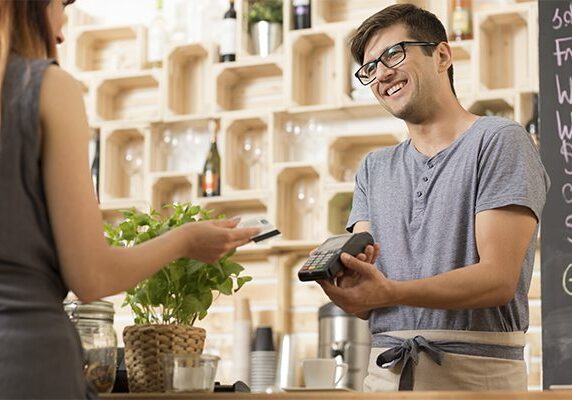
(333,243)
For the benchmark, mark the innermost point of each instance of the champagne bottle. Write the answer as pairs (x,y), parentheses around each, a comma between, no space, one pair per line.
(301,14)
(228,35)
(532,125)
(95,163)
(210,179)
(157,37)
(461,28)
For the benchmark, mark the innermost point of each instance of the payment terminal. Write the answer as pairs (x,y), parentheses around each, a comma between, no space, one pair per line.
(325,263)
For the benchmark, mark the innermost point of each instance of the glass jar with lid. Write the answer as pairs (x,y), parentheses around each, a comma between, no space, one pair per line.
(94,323)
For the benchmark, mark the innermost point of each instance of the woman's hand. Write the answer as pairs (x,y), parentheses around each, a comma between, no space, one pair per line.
(211,240)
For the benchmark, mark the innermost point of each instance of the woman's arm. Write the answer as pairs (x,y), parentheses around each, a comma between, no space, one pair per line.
(90,267)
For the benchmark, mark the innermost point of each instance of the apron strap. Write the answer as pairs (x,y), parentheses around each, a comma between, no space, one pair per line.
(407,351)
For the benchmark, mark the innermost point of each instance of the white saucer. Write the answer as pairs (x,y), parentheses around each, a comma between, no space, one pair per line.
(316,389)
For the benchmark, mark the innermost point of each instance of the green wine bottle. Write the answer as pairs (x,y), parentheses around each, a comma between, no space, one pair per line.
(210,179)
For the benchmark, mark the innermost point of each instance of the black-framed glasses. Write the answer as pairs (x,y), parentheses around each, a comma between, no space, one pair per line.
(391,57)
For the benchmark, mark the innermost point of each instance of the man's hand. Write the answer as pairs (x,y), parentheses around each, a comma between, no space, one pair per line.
(361,286)
(347,277)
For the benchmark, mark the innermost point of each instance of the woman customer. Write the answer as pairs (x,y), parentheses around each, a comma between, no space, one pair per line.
(51,238)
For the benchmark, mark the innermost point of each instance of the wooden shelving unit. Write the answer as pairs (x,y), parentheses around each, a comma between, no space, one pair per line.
(187,77)
(129,97)
(297,108)
(116,48)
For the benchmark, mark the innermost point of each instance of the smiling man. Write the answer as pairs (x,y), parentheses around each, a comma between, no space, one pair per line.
(454,211)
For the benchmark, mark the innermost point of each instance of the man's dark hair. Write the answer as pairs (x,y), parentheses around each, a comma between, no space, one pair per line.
(421,25)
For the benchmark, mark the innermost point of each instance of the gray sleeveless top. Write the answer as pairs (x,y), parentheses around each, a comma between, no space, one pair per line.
(40,351)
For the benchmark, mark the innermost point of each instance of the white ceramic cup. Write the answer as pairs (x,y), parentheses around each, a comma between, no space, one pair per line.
(323,373)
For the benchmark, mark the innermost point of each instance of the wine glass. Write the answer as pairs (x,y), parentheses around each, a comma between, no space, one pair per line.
(293,133)
(250,153)
(168,143)
(132,164)
(305,200)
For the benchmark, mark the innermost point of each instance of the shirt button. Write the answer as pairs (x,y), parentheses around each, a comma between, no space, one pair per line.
(430,165)
(419,194)
(425,179)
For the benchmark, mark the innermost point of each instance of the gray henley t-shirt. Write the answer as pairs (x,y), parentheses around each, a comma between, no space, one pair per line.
(422,212)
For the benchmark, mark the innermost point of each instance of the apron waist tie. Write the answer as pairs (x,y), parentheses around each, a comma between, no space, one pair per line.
(407,351)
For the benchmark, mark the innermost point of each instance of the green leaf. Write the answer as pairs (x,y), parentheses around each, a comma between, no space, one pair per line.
(206,299)
(226,287)
(265,10)
(157,289)
(192,305)
(240,281)
(232,268)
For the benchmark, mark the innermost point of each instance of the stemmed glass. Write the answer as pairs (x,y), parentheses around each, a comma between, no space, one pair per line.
(132,164)
(250,153)
(293,133)
(314,136)
(305,200)
(168,143)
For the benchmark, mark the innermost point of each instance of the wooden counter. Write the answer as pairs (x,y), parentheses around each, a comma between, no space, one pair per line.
(333,395)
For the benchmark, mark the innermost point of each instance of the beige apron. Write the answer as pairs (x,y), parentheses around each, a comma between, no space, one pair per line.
(457,371)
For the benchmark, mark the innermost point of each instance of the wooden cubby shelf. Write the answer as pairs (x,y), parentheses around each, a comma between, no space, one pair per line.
(252,85)
(129,97)
(247,160)
(503,39)
(188,76)
(332,11)
(108,49)
(328,11)
(168,189)
(339,207)
(179,146)
(298,202)
(313,63)
(246,205)
(503,107)
(125,157)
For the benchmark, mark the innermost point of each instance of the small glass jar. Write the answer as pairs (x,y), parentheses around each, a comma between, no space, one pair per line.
(94,323)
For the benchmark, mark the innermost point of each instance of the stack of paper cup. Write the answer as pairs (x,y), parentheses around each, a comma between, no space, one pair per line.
(262,361)
(242,334)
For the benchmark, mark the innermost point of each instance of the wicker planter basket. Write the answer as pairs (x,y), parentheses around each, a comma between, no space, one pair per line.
(145,345)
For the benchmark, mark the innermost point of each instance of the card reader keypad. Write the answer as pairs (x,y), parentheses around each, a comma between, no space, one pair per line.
(319,260)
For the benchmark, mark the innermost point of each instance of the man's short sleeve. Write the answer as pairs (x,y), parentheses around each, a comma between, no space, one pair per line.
(510,172)
(360,208)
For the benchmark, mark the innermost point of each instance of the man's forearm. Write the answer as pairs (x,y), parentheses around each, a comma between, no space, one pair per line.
(474,286)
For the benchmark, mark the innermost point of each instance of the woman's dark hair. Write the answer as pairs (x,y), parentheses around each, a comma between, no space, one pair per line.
(24,30)
(421,25)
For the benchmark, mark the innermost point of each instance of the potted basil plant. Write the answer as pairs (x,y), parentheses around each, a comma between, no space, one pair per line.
(168,304)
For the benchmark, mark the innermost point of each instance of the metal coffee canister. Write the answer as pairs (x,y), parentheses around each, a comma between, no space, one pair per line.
(94,323)
(347,339)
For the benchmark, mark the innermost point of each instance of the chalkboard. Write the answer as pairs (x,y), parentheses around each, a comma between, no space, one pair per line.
(555,102)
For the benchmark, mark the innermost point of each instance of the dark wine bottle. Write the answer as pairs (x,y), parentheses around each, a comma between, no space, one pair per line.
(301,14)
(210,179)
(533,124)
(95,164)
(228,35)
